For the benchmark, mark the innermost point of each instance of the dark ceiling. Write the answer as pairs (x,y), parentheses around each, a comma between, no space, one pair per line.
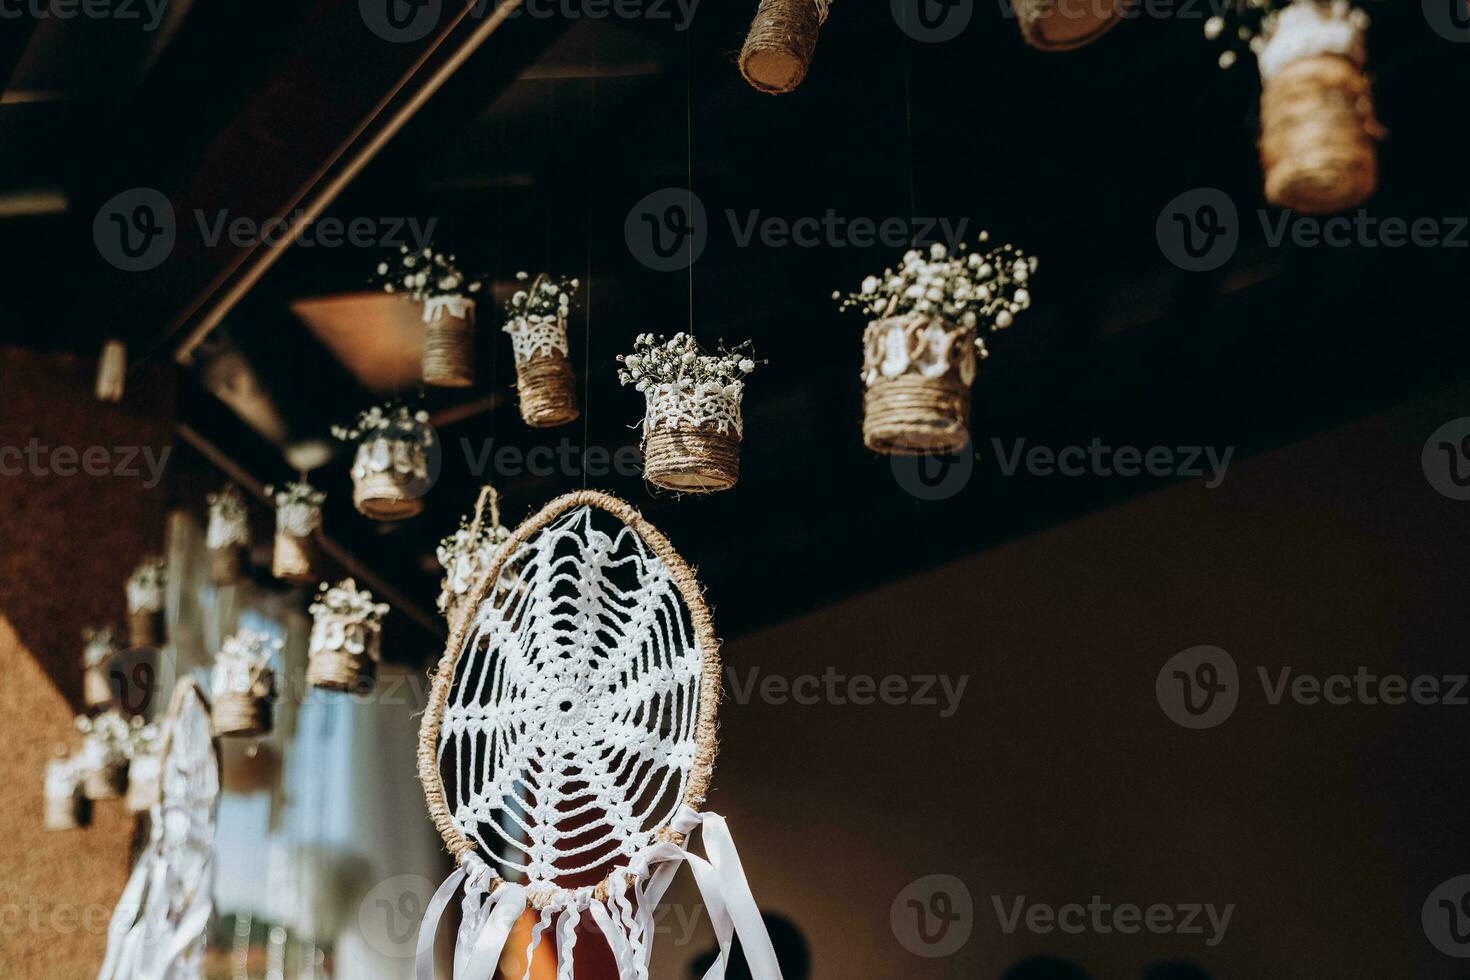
(533,152)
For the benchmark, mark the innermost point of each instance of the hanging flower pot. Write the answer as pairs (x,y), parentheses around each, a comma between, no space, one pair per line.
(98,650)
(920,351)
(1319,132)
(298,516)
(433,279)
(346,638)
(228,535)
(144,781)
(468,552)
(1062,25)
(243,684)
(536,319)
(691,423)
(779,45)
(66,807)
(103,759)
(391,469)
(145,603)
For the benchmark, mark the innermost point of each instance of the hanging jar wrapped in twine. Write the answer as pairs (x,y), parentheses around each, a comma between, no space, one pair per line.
(66,806)
(395,462)
(103,759)
(449,341)
(145,589)
(1063,25)
(779,45)
(692,421)
(298,517)
(97,651)
(228,535)
(243,684)
(346,638)
(469,551)
(536,319)
(920,351)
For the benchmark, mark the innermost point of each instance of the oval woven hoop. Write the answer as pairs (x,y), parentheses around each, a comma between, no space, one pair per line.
(779,45)
(1319,136)
(1065,25)
(697,784)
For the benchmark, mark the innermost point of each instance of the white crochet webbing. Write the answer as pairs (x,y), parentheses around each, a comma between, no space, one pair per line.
(159,928)
(542,336)
(1309,28)
(707,406)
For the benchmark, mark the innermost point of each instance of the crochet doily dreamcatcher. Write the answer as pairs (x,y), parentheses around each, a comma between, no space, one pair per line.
(158,929)
(569,741)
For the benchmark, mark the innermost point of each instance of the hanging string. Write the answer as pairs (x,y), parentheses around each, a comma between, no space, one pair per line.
(587,324)
(689,160)
(908,122)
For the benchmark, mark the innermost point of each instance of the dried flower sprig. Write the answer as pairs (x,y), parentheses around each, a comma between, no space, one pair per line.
(143,738)
(680,363)
(983,290)
(1248,25)
(108,729)
(548,297)
(293,493)
(346,599)
(424,274)
(390,415)
(99,646)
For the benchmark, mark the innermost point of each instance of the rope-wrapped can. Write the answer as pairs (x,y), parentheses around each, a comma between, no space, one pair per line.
(346,639)
(548,390)
(294,557)
(779,45)
(145,628)
(339,670)
(66,812)
(1319,135)
(1064,25)
(449,344)
(96,687)
(691,459)
(226,564)
(389,477)
(242,713)
(107,781)
(918,404)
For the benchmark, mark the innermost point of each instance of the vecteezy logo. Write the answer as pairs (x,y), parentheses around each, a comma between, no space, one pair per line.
(1199,230)
(403,21)
(1446,459)
(135,229)
(1450,19)
(1446,917)
(390,914)
(932,21)
(933,477)
(1198,687)
(137,675)
(667,230)
(933,916)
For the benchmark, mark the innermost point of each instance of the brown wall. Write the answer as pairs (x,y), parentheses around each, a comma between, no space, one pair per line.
(1060,777)
(66,545)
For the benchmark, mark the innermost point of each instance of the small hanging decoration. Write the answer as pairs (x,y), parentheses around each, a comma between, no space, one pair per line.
(144,748)
(536,319)
(243,683)
(390,473)
(346,638)
(112,370)
(103,758)
(145,603)
(228,535)
(160,927)
(97,650)
(433,279)
(919,351)
(691,422)
(551,747)
(1319,132)
(466,553)
(298,516)
(1063,25)
(779,45)
(66,807)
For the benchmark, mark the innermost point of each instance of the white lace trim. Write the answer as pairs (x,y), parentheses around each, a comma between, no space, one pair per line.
(543,336)
(1307,29)
(298,518)
(460,307)
(338,633)
(705,406)
(464,565)
(226,530)
(919,346)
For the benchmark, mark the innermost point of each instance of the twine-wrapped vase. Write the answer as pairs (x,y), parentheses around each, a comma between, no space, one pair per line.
(298,516)
(918,371)
(346,638)
(466,554)
(449,341)
(1319,132)
(96,655)
(779,45)
(65,806)
(243,684)
(1063,25)
(228,535)
(389,475)
(691,437)
(145,591)
(545,383)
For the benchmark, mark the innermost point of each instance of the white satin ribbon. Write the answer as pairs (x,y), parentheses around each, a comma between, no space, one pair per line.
(506,905)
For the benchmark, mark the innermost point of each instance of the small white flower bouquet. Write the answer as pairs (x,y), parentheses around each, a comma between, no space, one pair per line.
(243,683)
(391,470)
(536,319)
